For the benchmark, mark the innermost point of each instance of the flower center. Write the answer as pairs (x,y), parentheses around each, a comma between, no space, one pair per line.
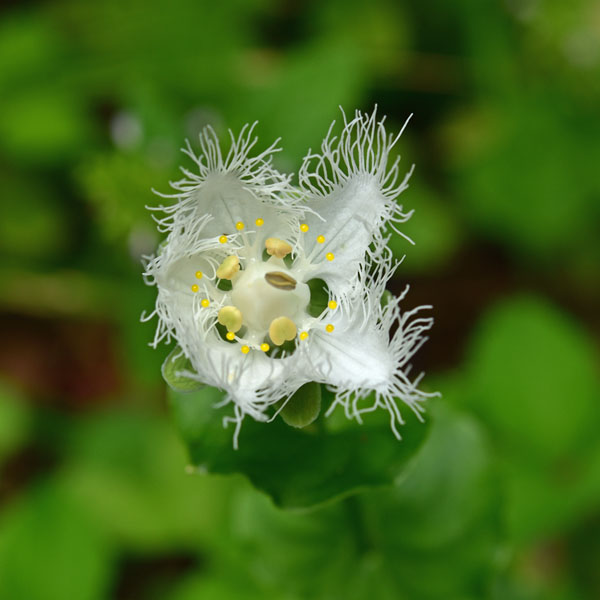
(264,292)
(261,298)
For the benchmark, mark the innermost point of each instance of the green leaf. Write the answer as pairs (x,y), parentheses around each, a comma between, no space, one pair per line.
(303,407)
(223,585)
(534,380)
(173,367)
(15,420)
(545,502)
(50,548)
(433,535)
(128,469)
(296,467)
(116,186)
(528,213)
(34,226)
(46,125)
(332,63)
(433,229)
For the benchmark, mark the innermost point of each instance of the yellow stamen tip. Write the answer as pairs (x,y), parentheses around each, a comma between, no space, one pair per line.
(230,336)
(265,347)
(277,247)
(303,335)
(245,349)
(259,222)
(320,239)
(329,328)
(332,304)
(205,303)
(304,228)
(223,239)
(230,317)
(229,267)
(239,226)
(329,256)
(195,288)
(281,330)
(199,274)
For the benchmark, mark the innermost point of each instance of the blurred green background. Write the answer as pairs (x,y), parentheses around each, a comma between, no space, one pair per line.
(96,99)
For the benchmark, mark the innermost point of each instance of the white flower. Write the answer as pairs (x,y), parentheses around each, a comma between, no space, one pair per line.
(248,255)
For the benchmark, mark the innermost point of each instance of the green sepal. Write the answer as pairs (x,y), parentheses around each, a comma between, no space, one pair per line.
(174,365)
(304,406)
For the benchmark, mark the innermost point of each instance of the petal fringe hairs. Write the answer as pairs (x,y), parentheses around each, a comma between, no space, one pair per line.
(245,250)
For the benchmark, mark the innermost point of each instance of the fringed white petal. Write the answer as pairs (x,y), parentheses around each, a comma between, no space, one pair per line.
(353,191)
(359,360)
(368,371)
(232,188)
(252,382)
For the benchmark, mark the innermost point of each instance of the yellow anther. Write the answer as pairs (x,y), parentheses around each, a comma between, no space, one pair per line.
(259,222)
(265,347)
(205,303)
(245,349)
(320,239)
(198,274)
(281,330)
(303,335)
(229,267)
(239,226)
(304,228)
(277,247)
(230,317)
(230,336)
(329,328)
(329,256)
(223,239)
(195,288)
(332,304)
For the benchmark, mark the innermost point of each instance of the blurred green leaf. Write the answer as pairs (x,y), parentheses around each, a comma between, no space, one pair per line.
(15,420)
(128,469)
(45,125)
(143,361)
(50,549)
(296,467)
(432,228)
(198,40)
(544,502)
(227,584)
(30,48)
(440,529)
(534,379)
(34,226)
(512,182)
(119,187)
(300,93)
(434,535)
(381,29)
